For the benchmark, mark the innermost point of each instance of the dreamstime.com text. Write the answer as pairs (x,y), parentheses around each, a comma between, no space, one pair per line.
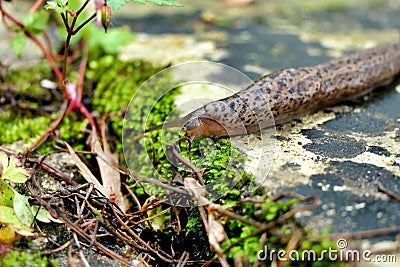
(340,254)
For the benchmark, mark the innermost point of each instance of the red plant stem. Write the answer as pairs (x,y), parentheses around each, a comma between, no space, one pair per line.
(48,43)
(64,18)
(79,89)
(82,7)
(35,6)
(47,55)
(51,128)
(61,75)
(84,23)
(87,115)
(71,32)
(65,60)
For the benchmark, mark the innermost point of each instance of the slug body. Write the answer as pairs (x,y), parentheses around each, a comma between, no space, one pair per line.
(287,94)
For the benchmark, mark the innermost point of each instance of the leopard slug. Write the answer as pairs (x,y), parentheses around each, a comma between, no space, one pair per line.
(292,92)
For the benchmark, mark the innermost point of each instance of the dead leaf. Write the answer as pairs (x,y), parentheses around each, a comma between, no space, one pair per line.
(108,165)
(217,232)
(7,235)
(86,173)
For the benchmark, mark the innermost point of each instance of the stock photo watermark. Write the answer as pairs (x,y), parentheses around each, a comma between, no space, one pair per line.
(342,253)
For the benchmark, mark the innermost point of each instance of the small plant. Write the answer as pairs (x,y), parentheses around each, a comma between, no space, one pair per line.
(69,69)
(16,214)
(74,17)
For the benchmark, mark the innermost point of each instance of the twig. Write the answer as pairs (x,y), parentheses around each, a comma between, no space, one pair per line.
(281,218)
(60,215)
(83,259)
(84,23)
(40,161)
(169,259)
(388,192)
(189,164)
(50,129)
(133,196)
(60,248)
(233,215)
(291,246)
(183,259)
(35,6)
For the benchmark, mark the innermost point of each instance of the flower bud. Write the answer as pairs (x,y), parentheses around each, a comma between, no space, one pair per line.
(105,16)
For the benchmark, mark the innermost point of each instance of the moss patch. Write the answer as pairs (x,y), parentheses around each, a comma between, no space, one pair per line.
(21,258)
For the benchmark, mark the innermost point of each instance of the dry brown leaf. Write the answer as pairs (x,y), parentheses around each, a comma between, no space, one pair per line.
(110,175)
(217,232)
(84,170)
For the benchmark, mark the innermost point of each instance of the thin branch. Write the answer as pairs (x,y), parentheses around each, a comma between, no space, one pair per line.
(82,7)
(280,219)
(388,192)
(51,128)
(35,6)
(64,18)
(83,24)
(61,248)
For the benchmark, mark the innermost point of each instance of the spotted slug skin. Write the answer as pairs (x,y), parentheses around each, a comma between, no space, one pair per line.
(293,92)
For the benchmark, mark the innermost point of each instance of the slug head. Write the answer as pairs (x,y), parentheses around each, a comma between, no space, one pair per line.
(201,126)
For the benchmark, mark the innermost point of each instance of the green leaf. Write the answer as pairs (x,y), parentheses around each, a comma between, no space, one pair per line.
(43,215)
(22,209)
(11,171)
(18,43)
(110,42)
(117,4)
(6,195)
(8,217)
(36,22)
(59,6)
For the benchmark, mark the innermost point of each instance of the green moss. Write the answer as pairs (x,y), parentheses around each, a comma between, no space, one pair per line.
(25,259)
(25,124)
(115,84)
(26,82)
(24,86)
(108,96)
(17,127)
(26,127)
